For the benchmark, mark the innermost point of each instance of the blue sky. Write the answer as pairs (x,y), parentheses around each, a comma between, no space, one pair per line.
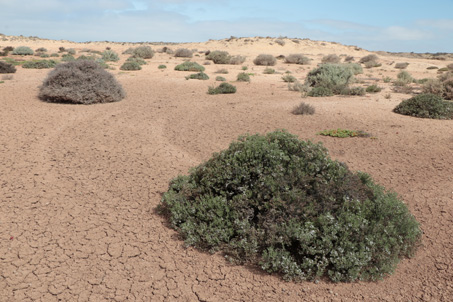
(417,25)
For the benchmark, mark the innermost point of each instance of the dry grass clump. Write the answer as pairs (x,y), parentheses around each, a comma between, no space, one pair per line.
(442,86)
(280,42)
(237,60)
(265,60)
(303,109)
(243,77)
(183,53)
(223,88)
(401,65)
(297,58)
(80,82)
(7,68)
(332,58)
(370,61)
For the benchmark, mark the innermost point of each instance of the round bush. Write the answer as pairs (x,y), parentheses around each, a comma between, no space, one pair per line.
(41,64)
(110,56)
(426,106)
(297,59)
(282,204)
(7,68)
(131,65)
(219,57)
(144,52)
(183,53)
(335,77)
(139,61)
(265,60)
(23,51)
(223,88)
(189,66)
(80,82)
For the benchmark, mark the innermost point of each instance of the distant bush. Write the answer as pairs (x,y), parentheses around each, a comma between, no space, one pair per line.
(41,64)
(282,204)
(432,67)
(303,109)
(372,64)
(219,57)
(54,55)
(373,88)
(137,60)
(348,59)
(369,58)
(269,71)
(71,51)
(332,58)
(450,66)
(189,66)
(44,55)
(144,52)
(23,51)
(223,88)
(403,78)
(110,56)
(7,68)
(41,49)
(265,60)
(183,53)
(80,82)
(289,78)
(243,77)
(354,67)
(333,78)
(162,66)
(220,79)
(222,71)
(297,59)
(298,86)
(131,65)
(426,106)
(280,42)
(401,65)
(237,60)
(198,76)
(353,91)
(342,133)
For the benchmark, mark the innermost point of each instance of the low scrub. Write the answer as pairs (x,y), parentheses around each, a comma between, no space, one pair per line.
(220,79)
(131,65)
(23,51)
(401,65)
(7,68)
(219,57)
(282,204)
(442,86)
(269,71)
(40,64)
(243,77)
(198,76)
(223,88)
(137,60)
(342,133)
(110,56)
(183,53)
(332,58)
(237,60)
(189,66)
(265,60)
(373,89)
(289,78)
(297,59)
(303,109)
(331,77)
(80,82)
(426,106)
(144,52)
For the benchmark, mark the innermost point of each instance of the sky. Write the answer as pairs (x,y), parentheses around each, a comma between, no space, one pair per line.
(397,25)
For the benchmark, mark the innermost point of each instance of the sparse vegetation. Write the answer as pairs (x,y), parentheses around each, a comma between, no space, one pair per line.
(297,58)
(198,76)
(265,60)
(442,86)
(403,78)
(329,79)
(342,133)
(40,64)
(137,60)
(131,65)
(237,60)
(320,91)
(219,57)
(144,52)
(190,66)
(161,66)
(222,71)
(426,106)
(269,71)
(220,79)
(80,82)
(282,204)
(223,88)
(23,51)
(289,78)
(332,58)
(401,65)
(303,109)
(243,77)
(7,68)
(373,88)
(183,53)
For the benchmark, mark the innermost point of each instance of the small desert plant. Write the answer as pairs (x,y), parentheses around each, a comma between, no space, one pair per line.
(244,68)
(162,66)
(401,65)
(332,77)
(372,64)
(198,76)
(289,78)
(298,86)
(426,106)
(220,79)
(131,65)
(23,51)
(71,51)
(110,56)
(320,91)
(129,51)
(144,52)
(183,53)
(265,60)
(7,68)
(369,58)
(297,59)
(269,71)
(443,86)
(44,55)
(67,57)
(223,88)
(189,66)
(40,64)
(332,58)
(219,57)
(354,67)
(342,133)
(403,78)
(80,82)
(41,49)
(284,205)
(348,59)
(373,88)
(54,55)
(138,60)
(432,67)
(387,79)
(237,60)
(280,42)
(243,77)
(61,49)
(222,71)
(353,91)
(302,109)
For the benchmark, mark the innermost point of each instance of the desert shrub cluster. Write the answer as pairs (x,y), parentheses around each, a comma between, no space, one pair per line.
(265,60)
(183,53)
(80,82)
(23,51)
(144,52)
(243,77)
(442,86)
(40,64)
(402,65)
(282,204)
(223,88)
(297,59)
(110,56)
(303,109)
(189,66)
(137,60)
(329,79)
(131,65)
(426,106)
(7,68)
(332,58)
(198,76)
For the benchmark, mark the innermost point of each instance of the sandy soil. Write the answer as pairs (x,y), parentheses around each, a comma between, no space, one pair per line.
(79,185)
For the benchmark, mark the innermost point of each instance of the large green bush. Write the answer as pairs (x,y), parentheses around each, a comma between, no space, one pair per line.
(426,106)
(333,77)
(110,56)
(280,203)
(297,59)
(219,57)
(23,51)
(80,82)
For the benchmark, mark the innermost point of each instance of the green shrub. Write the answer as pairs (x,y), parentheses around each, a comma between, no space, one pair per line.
(297,59)
(348,59)
(67,57)
(282,204)
(265,60)
(387,79)
(403,78)
(320,92)
(342,133)
(131,65)
(289,78)
(373,88)
(110,56)
(303,109)
(162,66)
(332,77)
(223,88)
(183,53)
(198,76)
(144,52)
(426,106)
(80,82)
(372,64)
(269,71)
(40,64)
(71,51)
(353,91)
(354,67)
(237,60)
(244,68)
(44,55)
(219,57)
(54,55)
(7,68)
(220,79)
(189,66)
(243,77)
(401,65)
(137,60)
(23,51)
(41,49)
(443,69)
(332,58)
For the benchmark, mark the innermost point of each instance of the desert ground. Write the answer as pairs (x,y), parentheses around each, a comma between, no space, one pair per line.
(80,184)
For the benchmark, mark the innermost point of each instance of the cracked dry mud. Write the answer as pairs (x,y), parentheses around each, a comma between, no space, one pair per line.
(79,186)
